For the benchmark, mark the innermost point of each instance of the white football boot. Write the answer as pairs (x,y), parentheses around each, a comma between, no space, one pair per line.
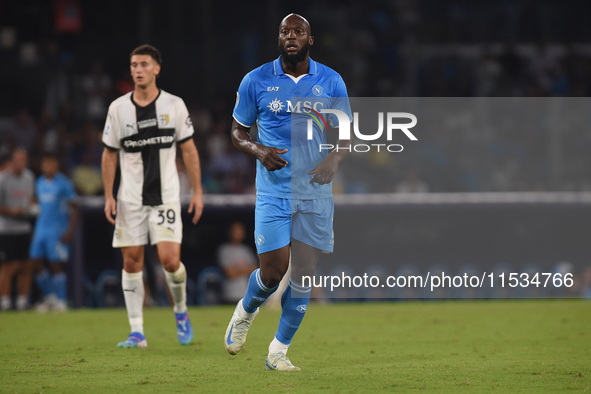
(279,362)
(238,328)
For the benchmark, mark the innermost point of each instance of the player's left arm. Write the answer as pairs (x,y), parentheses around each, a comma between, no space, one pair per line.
(325,171)
(72,221)
(184,133)
(191,159)
(74,212)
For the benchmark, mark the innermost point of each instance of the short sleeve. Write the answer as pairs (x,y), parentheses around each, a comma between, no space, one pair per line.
(245,109)
(340,100)
(184,125)
(68,190)
(111,130)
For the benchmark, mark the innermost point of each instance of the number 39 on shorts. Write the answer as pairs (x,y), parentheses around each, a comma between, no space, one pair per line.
(166,216)
(163,215)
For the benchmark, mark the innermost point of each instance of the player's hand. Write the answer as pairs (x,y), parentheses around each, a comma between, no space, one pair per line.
(325,170)
(196,206)
(269,157)
(67,237)
(110,209)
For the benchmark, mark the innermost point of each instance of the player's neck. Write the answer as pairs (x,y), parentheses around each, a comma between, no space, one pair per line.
(144,96)
(300,68)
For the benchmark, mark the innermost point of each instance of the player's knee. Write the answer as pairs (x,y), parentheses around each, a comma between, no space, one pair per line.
(132,264)
(170,263)
(271,277)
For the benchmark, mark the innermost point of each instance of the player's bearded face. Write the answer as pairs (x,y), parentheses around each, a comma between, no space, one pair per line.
(294,44)
(294,57)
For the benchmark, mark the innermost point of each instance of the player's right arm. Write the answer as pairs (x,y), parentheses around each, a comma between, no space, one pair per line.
(245,113)
(109,162)
(267,155)
(109,167)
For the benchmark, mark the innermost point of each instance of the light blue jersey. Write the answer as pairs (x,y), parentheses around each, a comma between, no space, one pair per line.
(53,196)
(282,105)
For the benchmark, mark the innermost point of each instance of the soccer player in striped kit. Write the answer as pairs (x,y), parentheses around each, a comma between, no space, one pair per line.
(144,128)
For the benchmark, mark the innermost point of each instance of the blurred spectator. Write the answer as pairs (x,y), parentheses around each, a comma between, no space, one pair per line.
(487,73)
(16,207)
(23,130)
(238,261)
(54,231)
(85,160)
(231,168)
(98,88)
(542,67)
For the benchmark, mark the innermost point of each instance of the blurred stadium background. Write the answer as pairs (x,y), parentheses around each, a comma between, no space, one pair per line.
(62,62)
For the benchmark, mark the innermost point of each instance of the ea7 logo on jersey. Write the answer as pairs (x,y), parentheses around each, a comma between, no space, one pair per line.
(163,120)
(272,88)
(276,106)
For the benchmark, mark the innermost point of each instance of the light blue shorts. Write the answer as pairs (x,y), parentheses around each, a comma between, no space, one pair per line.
(47,244)
(277,220)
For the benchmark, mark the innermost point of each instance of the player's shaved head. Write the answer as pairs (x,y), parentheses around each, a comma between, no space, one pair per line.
(298,17)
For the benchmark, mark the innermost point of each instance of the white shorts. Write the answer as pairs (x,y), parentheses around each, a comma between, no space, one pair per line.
(134,223)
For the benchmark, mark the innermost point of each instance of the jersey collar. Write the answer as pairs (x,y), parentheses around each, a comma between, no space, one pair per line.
(278,69)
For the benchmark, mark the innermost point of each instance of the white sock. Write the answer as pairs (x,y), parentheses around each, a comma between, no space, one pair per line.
(5,303)
(177,283)
(278,347)
(22,301)
(133,291)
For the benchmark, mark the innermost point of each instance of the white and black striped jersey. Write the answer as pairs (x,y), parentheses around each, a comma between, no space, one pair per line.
(146,138)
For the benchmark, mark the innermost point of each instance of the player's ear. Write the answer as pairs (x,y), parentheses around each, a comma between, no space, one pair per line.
(157,69)
(311,40)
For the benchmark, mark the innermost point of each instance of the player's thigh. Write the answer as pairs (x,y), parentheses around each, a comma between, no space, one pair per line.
(57,251)
(56,267)
(274,264)
(304,259)
(131,225)
(165,223)
(312,224)
(272,223)
(38,250)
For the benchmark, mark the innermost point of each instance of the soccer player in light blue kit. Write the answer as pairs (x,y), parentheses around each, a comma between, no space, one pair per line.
(54,230)
(294,207)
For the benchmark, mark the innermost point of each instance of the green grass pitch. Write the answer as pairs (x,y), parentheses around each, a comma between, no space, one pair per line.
(453,346)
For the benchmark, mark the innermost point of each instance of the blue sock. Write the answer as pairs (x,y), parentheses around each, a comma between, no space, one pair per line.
(59,285)
(294,303)
(43,280)
(256,293)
